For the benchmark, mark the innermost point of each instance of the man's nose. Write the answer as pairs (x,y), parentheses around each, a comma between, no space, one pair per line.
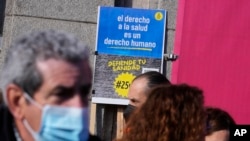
(76,101)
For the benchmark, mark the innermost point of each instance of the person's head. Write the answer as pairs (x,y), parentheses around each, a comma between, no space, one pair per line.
(219,123)
(139,88)
(170,113)
(46,72)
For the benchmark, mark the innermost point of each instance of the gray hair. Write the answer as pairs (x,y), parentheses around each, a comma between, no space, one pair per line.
(20,63)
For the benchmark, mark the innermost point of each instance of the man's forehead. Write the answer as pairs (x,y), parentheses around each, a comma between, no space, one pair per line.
(138,88)
(52,63)
(61,74)
(140,83)
(55,67)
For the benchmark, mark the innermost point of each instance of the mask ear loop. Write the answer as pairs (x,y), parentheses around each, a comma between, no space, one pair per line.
(25,122)
(32,101)
(32,132)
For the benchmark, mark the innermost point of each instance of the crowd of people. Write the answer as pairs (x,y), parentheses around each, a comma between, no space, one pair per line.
(45,82)
(170,112)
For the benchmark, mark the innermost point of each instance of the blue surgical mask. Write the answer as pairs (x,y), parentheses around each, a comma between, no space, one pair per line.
(60,123)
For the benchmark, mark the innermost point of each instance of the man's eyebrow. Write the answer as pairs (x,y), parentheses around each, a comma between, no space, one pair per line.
(134,99)
(61,89)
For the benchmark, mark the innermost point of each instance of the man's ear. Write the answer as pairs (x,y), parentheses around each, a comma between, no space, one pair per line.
(15,100)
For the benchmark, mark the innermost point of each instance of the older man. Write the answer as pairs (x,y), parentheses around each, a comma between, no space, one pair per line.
(45,80)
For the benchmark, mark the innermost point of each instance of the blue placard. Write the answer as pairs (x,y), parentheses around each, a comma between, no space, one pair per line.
(131,32)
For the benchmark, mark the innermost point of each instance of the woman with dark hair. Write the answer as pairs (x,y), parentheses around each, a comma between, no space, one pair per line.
(219,123)
(170,113)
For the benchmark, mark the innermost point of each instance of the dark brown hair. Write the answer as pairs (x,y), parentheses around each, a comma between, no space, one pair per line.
(218,119)
(170,113)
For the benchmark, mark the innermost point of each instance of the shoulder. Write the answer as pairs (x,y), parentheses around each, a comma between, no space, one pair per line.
(94,138)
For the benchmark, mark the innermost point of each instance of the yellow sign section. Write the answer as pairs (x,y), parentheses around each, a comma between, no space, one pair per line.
(126,65)
(122,83)
(158,16)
